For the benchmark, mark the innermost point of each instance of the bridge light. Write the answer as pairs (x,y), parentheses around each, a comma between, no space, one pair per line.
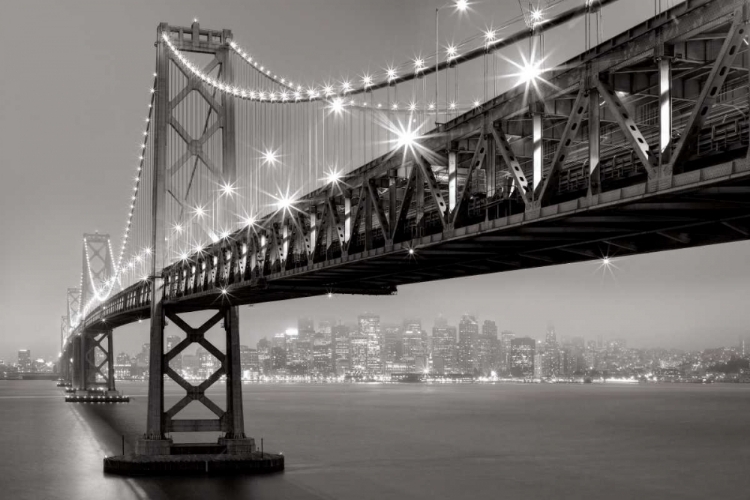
(330,295)
(537,15)
(452,105)
(391,73)
(411,251)
(530,71)
(178,228)
(224,291)
(489,36)
(269,157)
(199,211)
(184,256)
(476,103)
(337,105)
(346,86)
(284,203)
(462,5)
(224,235)
(367,80)
(406,137)
(228,189)
(333,177)
(451,51)
(248,221)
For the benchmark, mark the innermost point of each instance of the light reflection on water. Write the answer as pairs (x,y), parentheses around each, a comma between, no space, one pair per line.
(406,441)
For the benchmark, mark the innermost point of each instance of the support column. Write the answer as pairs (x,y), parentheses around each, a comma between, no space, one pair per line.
(665,112)
(76,365)
(594,142)
(236,422)
(419,222)
(491,168)
(110,362)
(452,181)
(392,199)
(538,152)
(83,371)
(154,442)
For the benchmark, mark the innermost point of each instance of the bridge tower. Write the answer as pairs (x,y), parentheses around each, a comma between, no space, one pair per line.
(91,354)
(172,131)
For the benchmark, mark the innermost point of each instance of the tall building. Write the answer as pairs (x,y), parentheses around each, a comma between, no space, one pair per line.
(468,339)
(505,339)
(487,348)
(358,350)
(522,351)
(264,355)
(122,366)
(392,343)
(322,356)
(250,365)
(551,357)
(341,358)
(444,347)
(24,360)
(369,326)
(412,341)
(278,360)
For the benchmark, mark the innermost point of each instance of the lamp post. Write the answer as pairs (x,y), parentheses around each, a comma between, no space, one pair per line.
(460,5)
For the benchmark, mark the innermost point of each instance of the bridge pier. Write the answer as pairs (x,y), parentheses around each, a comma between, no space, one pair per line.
(229,421)
(89,381)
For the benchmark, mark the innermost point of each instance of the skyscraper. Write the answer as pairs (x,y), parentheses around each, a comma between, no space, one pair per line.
(444,346)
(522,352)
(369,326)
(341,355)
(487,348)
(505,339)
(413,344)
(122,367)
(551,356)
(468,338)
(24,360)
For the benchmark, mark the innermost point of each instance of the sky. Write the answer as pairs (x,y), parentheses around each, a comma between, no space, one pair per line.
(73,94)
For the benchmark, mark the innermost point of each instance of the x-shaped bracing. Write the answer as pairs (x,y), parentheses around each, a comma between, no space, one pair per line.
(193,392)
(92,344)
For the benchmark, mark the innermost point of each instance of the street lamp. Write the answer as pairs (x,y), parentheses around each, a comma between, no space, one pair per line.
(459,5)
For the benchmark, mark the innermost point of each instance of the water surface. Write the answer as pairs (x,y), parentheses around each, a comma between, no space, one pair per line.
(407,441)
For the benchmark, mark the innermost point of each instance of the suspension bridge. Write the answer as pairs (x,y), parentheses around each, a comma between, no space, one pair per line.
(252,187)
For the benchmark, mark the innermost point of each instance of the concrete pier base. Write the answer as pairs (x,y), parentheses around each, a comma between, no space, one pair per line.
(164,457)
(153,447)
(203,464)
(242,446)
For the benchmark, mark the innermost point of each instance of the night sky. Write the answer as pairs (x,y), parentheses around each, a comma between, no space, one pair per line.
(74,87)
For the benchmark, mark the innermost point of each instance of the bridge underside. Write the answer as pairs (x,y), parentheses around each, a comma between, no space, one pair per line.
(640,219)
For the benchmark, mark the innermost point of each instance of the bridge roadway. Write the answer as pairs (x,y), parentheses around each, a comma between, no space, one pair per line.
(701,207)
(421,224)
